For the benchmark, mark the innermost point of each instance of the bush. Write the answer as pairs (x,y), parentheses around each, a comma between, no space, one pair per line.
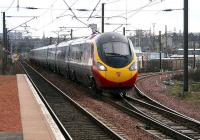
(154,66)
(195,87)
(195,75)
(178,77)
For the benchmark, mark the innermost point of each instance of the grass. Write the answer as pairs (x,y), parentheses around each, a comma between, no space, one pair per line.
(192,96)
(195,87)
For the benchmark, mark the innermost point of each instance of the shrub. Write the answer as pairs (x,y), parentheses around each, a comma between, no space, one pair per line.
(195,75)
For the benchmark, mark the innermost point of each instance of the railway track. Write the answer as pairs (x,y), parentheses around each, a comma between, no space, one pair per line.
(171,118)
(73,120)
(149,100)
(156,120)
(176,121)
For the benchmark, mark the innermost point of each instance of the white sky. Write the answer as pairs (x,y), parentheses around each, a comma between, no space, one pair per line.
(142,19)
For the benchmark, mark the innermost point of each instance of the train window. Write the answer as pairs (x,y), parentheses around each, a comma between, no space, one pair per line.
(79,53)
(67,53)
(62,53)
(92,49)
(86,53)
(76,52)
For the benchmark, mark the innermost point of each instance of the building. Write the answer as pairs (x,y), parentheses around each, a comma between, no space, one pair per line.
(152,56)
(15,35)
(193,56)
(138,52)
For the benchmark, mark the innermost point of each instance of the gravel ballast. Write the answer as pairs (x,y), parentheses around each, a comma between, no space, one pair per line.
(117,120)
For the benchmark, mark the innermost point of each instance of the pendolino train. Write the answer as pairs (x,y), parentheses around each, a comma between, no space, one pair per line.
(103,62)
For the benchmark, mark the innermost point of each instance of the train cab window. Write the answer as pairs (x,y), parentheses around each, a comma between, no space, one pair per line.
(116,49)
(115,53)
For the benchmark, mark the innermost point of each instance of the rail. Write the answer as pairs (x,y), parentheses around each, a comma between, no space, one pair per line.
(73,120)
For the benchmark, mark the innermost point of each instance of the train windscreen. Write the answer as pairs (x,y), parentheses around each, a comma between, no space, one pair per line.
(116,49)
(116,54)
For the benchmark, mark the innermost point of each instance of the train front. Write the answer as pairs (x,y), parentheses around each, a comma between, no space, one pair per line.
(115,62)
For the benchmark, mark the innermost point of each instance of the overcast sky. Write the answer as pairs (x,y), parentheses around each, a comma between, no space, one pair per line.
(140,14)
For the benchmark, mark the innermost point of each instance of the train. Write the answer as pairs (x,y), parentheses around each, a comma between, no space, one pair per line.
(103,62)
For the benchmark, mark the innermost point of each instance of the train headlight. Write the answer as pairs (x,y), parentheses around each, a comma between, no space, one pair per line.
(101,67)
(133,67)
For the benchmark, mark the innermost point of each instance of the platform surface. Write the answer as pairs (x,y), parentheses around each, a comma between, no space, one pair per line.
(34,117)
(10,120)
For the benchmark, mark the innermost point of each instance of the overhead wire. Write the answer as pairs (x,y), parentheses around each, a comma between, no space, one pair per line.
(139,10)
(77,17)
(74,3)
(70,8)
(22,24)
(48,8)
(145,6)
(114,1)
(94,9)
(99,10)
(117,27)
(53,20)
(10,6)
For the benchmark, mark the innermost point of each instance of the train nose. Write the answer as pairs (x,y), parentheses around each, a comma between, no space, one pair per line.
(118,76)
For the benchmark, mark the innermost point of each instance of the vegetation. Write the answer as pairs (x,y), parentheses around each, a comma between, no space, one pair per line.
(154,66)
(194,76)
(194,87)
(192,96)
(8,68)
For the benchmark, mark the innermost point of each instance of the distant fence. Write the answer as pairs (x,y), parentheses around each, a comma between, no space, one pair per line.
(167,64)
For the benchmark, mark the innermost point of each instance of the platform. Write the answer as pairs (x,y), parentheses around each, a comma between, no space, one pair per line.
(36,120)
